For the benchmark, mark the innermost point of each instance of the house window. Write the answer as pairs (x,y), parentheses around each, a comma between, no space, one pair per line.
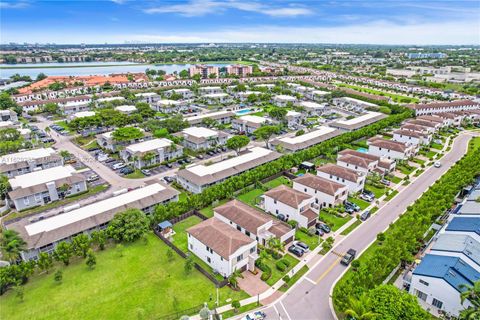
(239,228)
(209,260)
(421,295)
(275,201)
(437,303)
(253,249)
(423,282)
(38,197)
(276,211)
(26,201)
(240,258)
(247,233)
(305,190)
(191,246)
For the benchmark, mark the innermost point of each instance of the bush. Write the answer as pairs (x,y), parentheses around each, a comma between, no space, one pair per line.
(304,230)
(293,223)
(267,273)
(280,265)
(286,278)
(311,232)
(286,262)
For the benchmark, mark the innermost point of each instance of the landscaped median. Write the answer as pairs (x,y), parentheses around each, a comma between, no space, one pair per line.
(400,241)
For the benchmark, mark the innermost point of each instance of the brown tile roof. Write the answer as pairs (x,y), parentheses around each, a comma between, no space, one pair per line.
(291,197)
(339,171)
(355,160)
(279,228)
(244,215)
(431,118)
(310,214)
(219,236)
(388,144)
(424,123)
(359,154)
(319,183)
(457,103)
(413,127)
(410,133)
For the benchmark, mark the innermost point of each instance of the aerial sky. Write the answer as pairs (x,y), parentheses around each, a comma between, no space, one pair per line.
(179,21)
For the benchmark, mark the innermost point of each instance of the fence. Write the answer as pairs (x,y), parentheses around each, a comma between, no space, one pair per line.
(219,284)
(178,314)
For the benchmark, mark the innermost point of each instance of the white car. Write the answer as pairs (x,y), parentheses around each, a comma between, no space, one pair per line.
(437,164)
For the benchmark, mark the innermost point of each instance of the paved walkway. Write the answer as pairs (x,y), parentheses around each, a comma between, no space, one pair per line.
(252,284)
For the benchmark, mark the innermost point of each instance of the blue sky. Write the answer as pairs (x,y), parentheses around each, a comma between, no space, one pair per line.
(308,21)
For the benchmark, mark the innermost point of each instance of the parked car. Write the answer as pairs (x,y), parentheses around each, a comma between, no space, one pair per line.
(118,165)
(168,179)
(281,216)
(319,231)
(366,197)
(93,177)
(70,161)
(186,160)
(437,164)
(295,250)
(200,156)
(385,182)
(365,215)
(146,172)
(126,170)
(349,209)
(169,165)
(324,227)
(355,206)
(47,140)
(109,160)
(102,157)
(302,246)
(348,257)
(368,192)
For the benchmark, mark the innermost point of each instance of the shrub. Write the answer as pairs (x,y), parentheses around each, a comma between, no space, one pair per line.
(304,230)
(280,265)
(267,273)
(293,223)
(286,262)
(286,278)
(311,231)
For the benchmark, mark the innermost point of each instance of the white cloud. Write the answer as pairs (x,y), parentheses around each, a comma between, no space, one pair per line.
(119,1)
(14,5)
(196,8)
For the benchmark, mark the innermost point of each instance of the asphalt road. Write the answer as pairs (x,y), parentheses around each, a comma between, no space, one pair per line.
(309,298)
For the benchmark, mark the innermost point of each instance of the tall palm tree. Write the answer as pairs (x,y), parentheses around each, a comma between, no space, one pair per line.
(359,309)
(11,245)
(472,294)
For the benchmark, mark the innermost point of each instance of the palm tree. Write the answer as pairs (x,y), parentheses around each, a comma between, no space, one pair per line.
(4,185)
(472,294)
(276,244)
(11,245)
(359,309)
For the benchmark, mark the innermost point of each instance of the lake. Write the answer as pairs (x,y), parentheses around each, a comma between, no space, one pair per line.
(87,68)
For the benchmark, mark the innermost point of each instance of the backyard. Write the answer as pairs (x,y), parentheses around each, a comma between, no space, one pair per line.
(146,283)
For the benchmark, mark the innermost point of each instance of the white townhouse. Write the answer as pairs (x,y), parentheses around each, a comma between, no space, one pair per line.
(268,86)
(8,115)
(282,100)
(216,98)
(315,109)
(437,281)
(243,95)
(440,107)
(249,123)
(170,106)
(71,107)
(317,95)
(200,138)
(306,140)
(292,204)
(390,149)
(126,109)
(81,114)
(19,163)
(353,104)
(367,162)
(358,122)
(354,180)
(436,119)
(42,234)
(462,246)
(222,117)
(294,118)
(209,90)
(148,97)
(327,193)
(197,177)
(106,141)
(151,152)
(430,126)
(222,247)
(409,137)
(452,119)
(41,187)
(100,102)
(185,93)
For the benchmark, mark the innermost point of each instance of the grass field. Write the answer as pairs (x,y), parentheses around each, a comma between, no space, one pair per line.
(278,181)
(249,197)
(351,227)
(137,174)
(395,97)
(208,211)
(311,241)
(378,192)
(359,202)
(277,274)
(141,282)
(180,239)
(334,222)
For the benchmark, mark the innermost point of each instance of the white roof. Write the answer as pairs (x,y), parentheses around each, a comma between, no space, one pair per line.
(146,94)
(369,115)
(110,99)
(26,155)
(208,115)
(210,88)
(167,102)
(320,92)
(291,84)
(265,85)
(83,114)
(149,145)
(312,105)
(357,101)
(75,103)
(39,177)
(126,108)
(308,136)
(247,93)
(291,113)
(254,119)
(253,154)
(5,124)
(93,209)
(284,97)
(200,132)
(24,131)
(216,95)
(180,90)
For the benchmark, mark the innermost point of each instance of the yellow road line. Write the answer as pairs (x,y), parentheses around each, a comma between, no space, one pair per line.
(328,270)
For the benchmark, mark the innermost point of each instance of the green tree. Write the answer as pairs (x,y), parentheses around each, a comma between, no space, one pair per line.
(127,134)
(265,133)
(128,226)
(63,252)
(235,305)
(81,245)
(472,294)
(45,262)
(189,263)
(41,76)
(360,309)
(58,276)
(99,238)
(51,108)
(91,260)
(4,186)
(184,74)
(278,113)
(11,244)
(237,143)
(6,102)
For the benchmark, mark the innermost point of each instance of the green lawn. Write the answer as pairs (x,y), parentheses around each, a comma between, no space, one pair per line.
(404,169)
(135,175)
(419,161)
(378,192)
(394,179)
(277,274)
(242,309)
(395,97)
(142,282)
(359,202)
(278,181)
(180,239)
(294,279)
(333,221)
(428,154)
(475,143)
(249,197)
(351,227)
(311,241)
(208,211)
(391,195)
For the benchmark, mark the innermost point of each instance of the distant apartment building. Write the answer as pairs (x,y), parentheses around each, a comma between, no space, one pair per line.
(151,152)
(19,163)
(358,122)
(239,70)
(170,106)
(306,140)
(200,138)
(185,93)
(107,141)
(440,107)
(148,97)
(249,123)
(222,117)
(203,70)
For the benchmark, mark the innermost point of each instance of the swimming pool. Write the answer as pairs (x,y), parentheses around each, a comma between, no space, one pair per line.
(363,150)
(243,111)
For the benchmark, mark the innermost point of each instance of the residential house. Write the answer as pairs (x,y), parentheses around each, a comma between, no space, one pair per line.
(315,109)
(249,123)
(327,193)
(199,138)
(151,152)
(19,163)
(294,118)
(222,117)
(106,141)
(148,97)
(354,180)
(283,100)
(126,109)
(306,140)
(358,122)
(391,149)
(170,106)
